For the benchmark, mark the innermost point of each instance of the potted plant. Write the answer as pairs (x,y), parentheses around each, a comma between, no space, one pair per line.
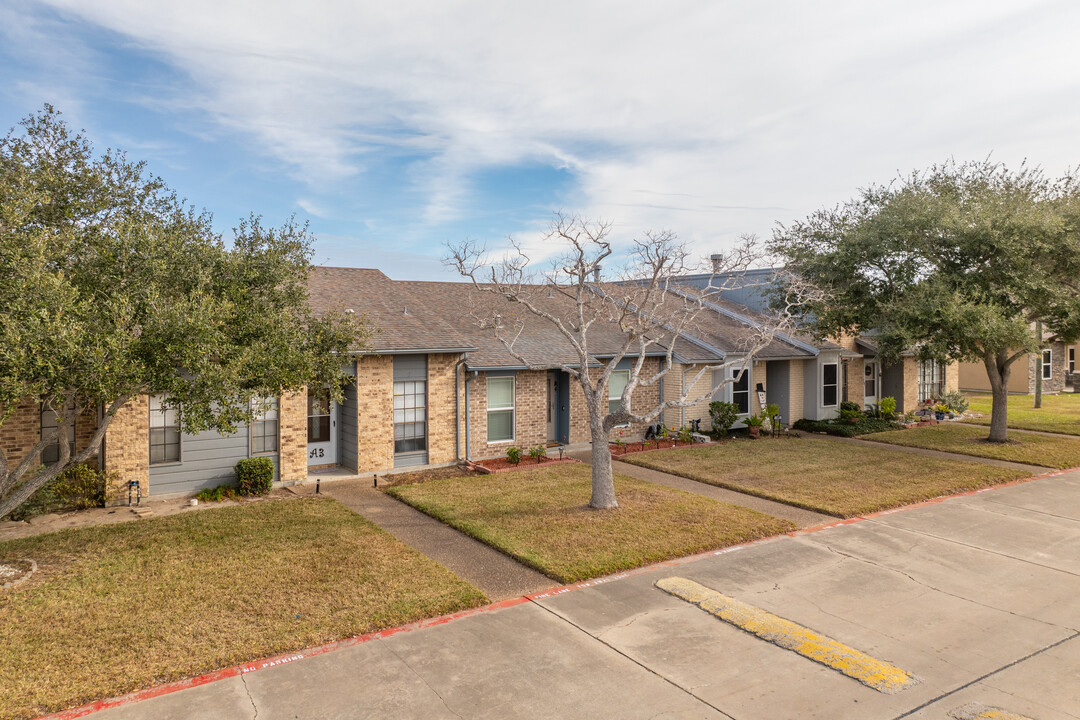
(753,424)
(940,410)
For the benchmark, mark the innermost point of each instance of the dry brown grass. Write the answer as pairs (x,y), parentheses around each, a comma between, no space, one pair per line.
(830,476)
(121,607)
(541,517)
(1028,448)
(1059,413)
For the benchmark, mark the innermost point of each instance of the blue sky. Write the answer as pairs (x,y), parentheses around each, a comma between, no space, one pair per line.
(394,128)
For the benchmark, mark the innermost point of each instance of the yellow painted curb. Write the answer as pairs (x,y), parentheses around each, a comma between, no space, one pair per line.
(977,711)
(869,671)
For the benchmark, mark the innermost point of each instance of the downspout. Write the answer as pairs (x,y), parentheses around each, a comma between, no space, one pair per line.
(457,406)
(468,454)
(682,390)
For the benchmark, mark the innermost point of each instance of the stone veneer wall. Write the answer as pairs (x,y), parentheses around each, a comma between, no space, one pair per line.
(292,436)
(375,422)
(127,445)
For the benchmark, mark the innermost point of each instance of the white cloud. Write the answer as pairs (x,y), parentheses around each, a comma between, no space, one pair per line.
(709,118)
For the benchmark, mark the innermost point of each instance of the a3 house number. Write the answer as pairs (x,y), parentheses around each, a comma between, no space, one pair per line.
(316,453)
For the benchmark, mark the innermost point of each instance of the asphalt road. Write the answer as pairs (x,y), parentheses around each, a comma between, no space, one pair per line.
(978,597)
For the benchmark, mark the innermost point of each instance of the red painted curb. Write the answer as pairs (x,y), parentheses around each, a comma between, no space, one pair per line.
(243,669)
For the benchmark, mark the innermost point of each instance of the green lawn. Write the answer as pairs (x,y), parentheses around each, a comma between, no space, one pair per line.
(1027,448)
(542,518)
(830,476)
(121,607)
(1059,413)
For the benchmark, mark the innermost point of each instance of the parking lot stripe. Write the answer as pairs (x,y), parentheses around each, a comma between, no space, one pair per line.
(870,671)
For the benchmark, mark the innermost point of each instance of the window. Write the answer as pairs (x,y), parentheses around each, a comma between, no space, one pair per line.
(1072,360)
(830,384)
(410,416)
(740,391)
(318,417)
(617,382)
(51,454)
(1047,362)
(164,432)
(500,409)
(264,428)
(870,383)
(931,380)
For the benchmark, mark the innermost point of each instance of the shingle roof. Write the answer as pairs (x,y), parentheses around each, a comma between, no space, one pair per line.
(400,321)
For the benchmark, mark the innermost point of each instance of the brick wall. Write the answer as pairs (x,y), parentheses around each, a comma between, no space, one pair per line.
(442,446)
(21,431)
(796,390)
(375,400)
(855,387)
(127,445)
(910,400)
(952,376)
(530,413)
(292,429)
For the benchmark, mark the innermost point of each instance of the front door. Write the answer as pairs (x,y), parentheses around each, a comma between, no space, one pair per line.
(552,407)
(870,380)
(322,430)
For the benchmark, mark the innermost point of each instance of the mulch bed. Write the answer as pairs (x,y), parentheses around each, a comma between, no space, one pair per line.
(636,447)
(497,465)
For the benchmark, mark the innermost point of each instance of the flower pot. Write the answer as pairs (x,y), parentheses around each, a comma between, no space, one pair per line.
(755,431)
(939,415)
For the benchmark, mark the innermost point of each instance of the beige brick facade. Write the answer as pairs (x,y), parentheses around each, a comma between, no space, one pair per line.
(796,390)
(292,430)
(127,445)
(442,441)
(855,381)
(910,400)
(375,398)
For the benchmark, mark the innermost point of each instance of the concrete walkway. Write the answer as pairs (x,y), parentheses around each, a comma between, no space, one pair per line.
(978,597)
(1030,469)
(497,575)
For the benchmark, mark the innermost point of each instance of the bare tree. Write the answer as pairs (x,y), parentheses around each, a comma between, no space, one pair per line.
(643,305)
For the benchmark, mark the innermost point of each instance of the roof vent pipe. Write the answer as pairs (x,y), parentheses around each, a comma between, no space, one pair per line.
(717,261)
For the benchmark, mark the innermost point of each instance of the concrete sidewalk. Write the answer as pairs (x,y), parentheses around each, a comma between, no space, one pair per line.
(497,575)
(977,596)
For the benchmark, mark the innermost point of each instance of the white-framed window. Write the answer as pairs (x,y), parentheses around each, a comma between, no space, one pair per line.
(164,432)
(1047,364)
(740,390)
(830,385)
(1072,360)
(410,416)
(617,382)
(51,454)
(264,428)
(931,380)
(500,409)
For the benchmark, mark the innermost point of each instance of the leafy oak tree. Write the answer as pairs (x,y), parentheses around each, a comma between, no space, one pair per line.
(110,287)
(960,262)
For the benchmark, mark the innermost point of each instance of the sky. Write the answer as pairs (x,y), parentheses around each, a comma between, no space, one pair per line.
(395,128)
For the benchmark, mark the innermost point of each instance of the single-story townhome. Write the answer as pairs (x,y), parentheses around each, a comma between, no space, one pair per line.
(432,387)
(1057,364)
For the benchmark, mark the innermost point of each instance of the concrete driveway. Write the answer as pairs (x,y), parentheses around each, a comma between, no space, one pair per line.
(977,596)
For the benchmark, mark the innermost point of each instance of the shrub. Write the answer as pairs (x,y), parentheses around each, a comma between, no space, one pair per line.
(254,476)
(685,435)
(723,416)
(956,401)
(848,414)
(79,487)
(850,406)
(537,453)
(755,421)
(844,429)
(888,407)
(513,455)
(221,492)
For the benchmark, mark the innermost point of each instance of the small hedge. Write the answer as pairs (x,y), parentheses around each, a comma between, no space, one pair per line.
(79,487)
(254,476)
(864,426)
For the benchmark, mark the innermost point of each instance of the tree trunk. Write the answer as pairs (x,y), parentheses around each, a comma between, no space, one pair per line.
(603,484)
(998,372)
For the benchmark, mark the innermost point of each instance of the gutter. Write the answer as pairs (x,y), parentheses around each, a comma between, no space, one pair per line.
(413,351)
